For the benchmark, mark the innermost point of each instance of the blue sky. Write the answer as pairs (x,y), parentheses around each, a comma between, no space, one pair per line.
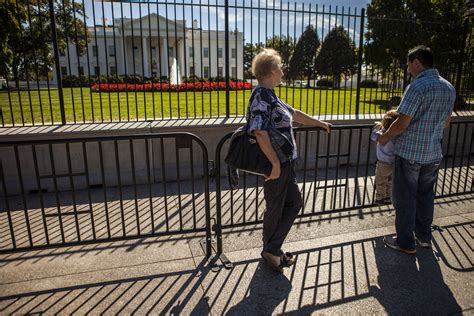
(256,28)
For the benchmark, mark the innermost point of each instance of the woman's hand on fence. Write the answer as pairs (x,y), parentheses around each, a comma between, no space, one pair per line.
(326,126)
(275,174)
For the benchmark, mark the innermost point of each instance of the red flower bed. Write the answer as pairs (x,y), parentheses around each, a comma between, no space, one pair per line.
(190,86)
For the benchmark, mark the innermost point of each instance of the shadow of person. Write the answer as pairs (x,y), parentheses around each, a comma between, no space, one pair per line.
(266,291)
(411,284)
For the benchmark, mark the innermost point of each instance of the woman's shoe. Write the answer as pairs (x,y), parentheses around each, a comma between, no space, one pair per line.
(287,259)
(274,262)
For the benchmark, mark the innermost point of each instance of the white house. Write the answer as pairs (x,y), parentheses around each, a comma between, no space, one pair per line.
(148,48)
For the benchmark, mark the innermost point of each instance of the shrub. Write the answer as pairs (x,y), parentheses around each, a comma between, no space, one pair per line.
(325,83)
(369,84)
(115,79)
(84,81)
(72,81)
(132,79)
(99,79)
(193,78)
(216,79)
(69,81)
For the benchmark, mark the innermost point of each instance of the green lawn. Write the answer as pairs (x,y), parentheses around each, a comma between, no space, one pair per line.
(83,105)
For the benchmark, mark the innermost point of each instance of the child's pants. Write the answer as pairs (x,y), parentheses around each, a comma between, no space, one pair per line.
(383,180)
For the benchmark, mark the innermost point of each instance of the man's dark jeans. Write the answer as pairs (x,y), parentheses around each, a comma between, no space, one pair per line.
(413,198)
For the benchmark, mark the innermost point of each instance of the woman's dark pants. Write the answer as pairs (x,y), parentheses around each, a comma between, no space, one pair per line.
(283,202)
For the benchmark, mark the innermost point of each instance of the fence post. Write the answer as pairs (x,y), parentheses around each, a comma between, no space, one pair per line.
(359,62)
(56,60)
(227,92)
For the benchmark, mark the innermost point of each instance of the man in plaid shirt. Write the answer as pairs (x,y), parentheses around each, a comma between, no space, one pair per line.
(424,112)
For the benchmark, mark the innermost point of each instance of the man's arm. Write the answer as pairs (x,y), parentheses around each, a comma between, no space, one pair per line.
(265,144)
(303,118)
(397,128)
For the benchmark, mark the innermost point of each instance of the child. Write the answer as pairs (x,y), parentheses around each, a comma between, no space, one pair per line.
(385,158)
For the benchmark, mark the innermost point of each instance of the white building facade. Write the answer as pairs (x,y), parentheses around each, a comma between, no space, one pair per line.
(149,46)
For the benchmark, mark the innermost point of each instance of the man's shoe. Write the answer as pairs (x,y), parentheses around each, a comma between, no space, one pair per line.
(423,244)
(391,242)
(387,201)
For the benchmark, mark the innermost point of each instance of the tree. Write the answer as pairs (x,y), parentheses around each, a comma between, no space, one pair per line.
(302,61)
(250,50)
(447,34)
(337,55)
(285,46)
(393,27)
(27,50)
(11,17)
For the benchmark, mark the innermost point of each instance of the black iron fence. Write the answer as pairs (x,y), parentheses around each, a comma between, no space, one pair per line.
(75,191)
(78,61)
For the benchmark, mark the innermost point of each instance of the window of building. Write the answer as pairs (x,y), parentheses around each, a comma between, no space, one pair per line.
(219,52)
(234,72)
(170,51)
(64,71)
(96,71)
(191,70)
(191,52)
(111,50)
(219,72)
(62,52)
(113,70)
(81,71)
(206,52)
(153,53)
(206,72)
(234,53)
(95,51)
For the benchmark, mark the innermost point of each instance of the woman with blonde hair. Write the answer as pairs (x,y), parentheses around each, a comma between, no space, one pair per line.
(271,121)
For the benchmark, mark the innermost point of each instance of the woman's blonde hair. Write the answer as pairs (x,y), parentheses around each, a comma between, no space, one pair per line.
(266,60)
(389,118)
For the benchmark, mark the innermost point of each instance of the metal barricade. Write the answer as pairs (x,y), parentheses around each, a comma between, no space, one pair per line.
(336,172)
(76,191)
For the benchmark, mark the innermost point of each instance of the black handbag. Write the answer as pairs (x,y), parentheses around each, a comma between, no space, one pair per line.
(245,154)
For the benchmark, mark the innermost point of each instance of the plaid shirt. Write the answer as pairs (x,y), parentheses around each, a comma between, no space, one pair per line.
(428,100)
(268,112)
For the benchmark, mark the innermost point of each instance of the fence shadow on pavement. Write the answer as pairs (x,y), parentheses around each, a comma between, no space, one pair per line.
(457,242)
(338,276)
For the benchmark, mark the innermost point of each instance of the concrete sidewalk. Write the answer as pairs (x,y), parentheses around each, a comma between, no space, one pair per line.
(342,268)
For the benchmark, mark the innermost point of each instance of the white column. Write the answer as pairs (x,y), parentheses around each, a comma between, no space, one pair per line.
(125,53)
(180,56)
(164,57)
(145,56)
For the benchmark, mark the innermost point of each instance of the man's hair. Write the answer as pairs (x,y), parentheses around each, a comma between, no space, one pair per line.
(423,54)
(266,60)
(389,118)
